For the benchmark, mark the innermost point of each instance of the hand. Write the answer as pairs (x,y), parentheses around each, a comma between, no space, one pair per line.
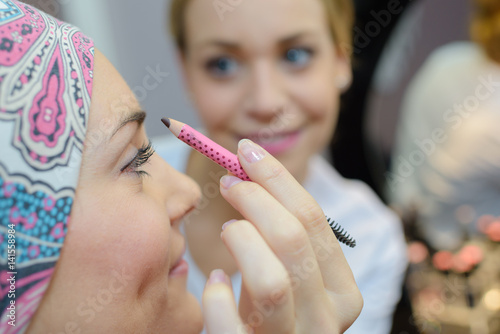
(295,276)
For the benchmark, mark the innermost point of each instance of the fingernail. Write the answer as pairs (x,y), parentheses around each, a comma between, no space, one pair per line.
(251,152)
(226,224)
(228,181)
(218,276)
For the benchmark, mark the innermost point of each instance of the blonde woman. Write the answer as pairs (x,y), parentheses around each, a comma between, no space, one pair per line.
(273,71)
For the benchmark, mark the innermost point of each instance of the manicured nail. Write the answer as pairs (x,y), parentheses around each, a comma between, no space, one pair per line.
(251,151)
(226,224)
(217,276)
(228,181)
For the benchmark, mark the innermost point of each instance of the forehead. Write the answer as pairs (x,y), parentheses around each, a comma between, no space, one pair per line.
(112,103)
(252,20)
(112,99)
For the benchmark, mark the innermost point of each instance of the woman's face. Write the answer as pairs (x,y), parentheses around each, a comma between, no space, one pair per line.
(267,70)
(119,270)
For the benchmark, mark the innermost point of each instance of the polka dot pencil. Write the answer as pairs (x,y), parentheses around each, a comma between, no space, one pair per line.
(207,147)
(230,162)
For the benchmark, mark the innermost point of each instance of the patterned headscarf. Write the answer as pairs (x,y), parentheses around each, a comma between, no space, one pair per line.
(45,88)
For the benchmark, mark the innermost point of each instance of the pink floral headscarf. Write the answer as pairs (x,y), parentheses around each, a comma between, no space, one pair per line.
(45,88)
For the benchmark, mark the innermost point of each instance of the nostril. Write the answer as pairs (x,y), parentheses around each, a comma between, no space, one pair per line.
(195,192)
(197,202)
(182,201)
(266,103)
(266,113)
(181,212)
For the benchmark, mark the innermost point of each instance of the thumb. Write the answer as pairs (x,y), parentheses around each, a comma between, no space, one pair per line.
(219,307)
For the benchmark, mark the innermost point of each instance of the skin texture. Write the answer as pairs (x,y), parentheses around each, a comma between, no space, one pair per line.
(124,236)
(263,93)
(114,274)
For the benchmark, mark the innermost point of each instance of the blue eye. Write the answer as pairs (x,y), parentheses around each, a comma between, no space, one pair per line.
(223,66)
(298,57)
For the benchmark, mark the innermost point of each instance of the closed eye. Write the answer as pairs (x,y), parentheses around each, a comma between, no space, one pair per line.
(141,158)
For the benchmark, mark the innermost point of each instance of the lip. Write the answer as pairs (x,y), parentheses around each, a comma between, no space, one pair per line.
(276,143)
(180,267)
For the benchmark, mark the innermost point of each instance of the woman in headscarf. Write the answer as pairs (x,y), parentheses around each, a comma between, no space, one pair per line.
(73,145)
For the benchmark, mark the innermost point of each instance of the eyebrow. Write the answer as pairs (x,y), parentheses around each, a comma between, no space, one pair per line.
(293,38)
(235,45)
(135,116)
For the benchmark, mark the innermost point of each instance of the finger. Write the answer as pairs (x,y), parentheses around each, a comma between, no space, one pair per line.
(271,175)
(219,308)
(269,307)
(282,232)
(289,241)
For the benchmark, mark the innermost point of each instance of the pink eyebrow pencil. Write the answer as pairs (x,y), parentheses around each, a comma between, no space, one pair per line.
(230,162)
(207,147)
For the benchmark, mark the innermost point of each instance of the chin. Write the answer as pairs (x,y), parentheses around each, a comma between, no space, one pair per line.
(185,314)
(294,163)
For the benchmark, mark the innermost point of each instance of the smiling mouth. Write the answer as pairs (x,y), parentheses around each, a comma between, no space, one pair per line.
(276,143)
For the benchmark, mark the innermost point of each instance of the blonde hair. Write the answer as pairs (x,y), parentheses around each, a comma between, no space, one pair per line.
(340,14)
(485,27)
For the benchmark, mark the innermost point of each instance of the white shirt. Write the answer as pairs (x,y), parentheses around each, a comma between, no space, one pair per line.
(378,261)
(447,154)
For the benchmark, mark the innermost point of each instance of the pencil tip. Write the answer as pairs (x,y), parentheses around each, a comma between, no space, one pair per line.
(166,121)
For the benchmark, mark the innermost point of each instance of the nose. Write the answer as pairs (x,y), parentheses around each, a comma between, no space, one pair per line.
(266,92)
(180,193)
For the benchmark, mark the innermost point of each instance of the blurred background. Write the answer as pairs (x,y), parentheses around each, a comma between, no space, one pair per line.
(392,39)
(387,53)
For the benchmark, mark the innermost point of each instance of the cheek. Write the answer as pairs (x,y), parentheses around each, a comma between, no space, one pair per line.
(317,96)
(126,235)
(323,109)
(146,237)
(215,102)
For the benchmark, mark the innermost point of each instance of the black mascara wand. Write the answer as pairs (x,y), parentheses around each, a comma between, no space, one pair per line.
(340,234)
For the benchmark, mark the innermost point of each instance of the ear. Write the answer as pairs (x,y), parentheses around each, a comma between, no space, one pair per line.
(344,71)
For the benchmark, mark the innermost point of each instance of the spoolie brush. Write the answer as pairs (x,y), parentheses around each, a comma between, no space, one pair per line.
(340,234)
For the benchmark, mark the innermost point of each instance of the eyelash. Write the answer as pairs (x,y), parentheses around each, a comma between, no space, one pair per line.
(142,156)
(306,50)
(211,66)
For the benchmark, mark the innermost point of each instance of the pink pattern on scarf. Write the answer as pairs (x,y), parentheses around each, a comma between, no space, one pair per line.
(23,40)
(47,118)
